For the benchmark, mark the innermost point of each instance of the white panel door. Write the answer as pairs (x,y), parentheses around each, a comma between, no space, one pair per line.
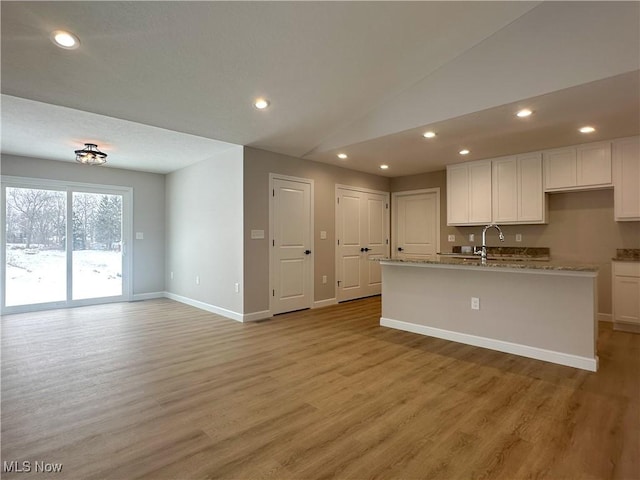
(362,226)
(292,281)
(416,224)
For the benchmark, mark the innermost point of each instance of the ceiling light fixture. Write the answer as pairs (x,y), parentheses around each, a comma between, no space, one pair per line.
(464,151)
(261,103)
(429,134)
(587,129)
(90,155)
(525,112)
(65,40)
(384,167)
(342,156)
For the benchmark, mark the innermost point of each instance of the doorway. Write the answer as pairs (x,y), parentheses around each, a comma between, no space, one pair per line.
(416,223)
(63,244)
(362,231)
(291,231)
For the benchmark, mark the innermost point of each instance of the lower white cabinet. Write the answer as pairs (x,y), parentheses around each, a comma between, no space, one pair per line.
(626,178)
(517,191)
(626,295)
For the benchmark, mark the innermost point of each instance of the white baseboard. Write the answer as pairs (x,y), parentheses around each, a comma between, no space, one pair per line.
(205,306)
(136,297)
(325,303)
(584,363)
(255,316)
(605,317)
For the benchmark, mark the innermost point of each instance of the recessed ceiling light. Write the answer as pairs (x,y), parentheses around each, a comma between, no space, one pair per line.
(342,156)
(429,134)
(587,129)
(384,167)
(261,103)
(525,112)
(65,39)
(464,151)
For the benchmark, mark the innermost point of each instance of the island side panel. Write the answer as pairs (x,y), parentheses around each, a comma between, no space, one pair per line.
(549,312)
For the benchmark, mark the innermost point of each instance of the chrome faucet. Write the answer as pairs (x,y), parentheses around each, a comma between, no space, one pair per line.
(483,251)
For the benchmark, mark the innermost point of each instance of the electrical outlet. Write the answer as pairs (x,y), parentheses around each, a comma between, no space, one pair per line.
(475,303)
(139,235)
(472,237)
(518,237)
(237,286)
(324,279)
(451,238)
(171,275)
(197,279)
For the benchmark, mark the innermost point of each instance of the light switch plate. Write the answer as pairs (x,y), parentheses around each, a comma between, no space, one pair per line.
(472,237)
(139,236)
(518,237)
(257,234)
(323,235)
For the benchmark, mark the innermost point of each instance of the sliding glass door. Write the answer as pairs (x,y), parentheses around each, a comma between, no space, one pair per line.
(63,245)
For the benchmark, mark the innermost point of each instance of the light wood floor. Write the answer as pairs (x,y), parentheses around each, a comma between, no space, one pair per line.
(158,390)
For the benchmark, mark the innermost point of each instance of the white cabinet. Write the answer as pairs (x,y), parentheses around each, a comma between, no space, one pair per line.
(469,193)
(626,295)
(578,168)
(517,189)
(626,178)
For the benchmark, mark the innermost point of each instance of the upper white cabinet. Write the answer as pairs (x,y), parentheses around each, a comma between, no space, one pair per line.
(469,193)
(517,191)
(626,178)
(578,168)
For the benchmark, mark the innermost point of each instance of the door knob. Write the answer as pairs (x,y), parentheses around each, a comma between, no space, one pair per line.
(400,249)
(307,252)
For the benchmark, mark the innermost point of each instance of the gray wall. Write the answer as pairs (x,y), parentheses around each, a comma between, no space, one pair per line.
(148,208)
(581,229)
(204,231)
(257,166)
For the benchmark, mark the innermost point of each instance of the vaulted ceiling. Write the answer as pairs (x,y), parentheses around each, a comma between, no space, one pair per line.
(363,78)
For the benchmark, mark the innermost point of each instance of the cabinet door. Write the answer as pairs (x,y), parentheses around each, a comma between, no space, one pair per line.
(505,190)
(457,194)
(626,299)
(560,169)
(626,182)
(480,192)
(531,206)
(593,164)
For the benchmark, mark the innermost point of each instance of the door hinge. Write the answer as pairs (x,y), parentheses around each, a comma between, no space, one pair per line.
(273,293)
(387,241)
(273,242)
(338,200)
(273,192)
(386,206)
(339,282)
(338,241)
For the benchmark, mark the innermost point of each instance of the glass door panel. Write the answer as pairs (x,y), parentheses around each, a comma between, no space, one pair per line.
(35,261)
(97,245)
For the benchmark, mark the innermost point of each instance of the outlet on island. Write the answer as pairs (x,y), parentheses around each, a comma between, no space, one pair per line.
(475,303)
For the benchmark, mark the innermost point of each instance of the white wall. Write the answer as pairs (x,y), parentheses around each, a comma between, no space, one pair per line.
(204,219)
(148,208)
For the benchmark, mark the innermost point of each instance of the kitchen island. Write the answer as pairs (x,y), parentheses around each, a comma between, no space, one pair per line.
(541,310)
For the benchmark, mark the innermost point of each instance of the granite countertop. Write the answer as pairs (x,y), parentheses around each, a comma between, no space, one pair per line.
(515,253)
(506,263)
(627,255)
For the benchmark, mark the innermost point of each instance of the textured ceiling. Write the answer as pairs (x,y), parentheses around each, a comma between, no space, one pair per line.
(357,76)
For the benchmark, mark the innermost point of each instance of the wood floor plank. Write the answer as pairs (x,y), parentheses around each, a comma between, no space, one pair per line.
(160,390)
